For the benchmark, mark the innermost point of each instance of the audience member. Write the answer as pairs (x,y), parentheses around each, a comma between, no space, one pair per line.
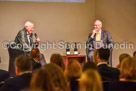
(42,80)
(107,73)
(90,81)
(127,76)
(23,68)
(121,57)
(3,75)
(35,55)
(57,77)
(58,59)
(134,54)
(73,72)
(90,65)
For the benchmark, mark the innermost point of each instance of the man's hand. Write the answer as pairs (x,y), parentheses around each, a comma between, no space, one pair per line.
(38,40)
(93,33)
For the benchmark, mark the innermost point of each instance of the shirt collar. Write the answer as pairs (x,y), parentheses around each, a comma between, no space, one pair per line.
(100,31)
(101,63)
(25,72)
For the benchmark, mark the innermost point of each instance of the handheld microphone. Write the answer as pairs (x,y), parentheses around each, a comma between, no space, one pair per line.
(36,36)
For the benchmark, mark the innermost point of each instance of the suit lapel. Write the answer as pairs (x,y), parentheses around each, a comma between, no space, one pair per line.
(95,37)
(26,39)
(102,35)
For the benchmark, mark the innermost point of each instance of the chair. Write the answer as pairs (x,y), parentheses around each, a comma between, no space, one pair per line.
(13,54)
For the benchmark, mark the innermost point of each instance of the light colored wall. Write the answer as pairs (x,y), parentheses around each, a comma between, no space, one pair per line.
(119,18)
(70,22)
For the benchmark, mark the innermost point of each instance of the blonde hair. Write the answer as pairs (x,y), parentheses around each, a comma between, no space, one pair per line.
(123,56)
(42,80)
(57,76)
(128,68)
(58,59)
(73,70)
(90,81)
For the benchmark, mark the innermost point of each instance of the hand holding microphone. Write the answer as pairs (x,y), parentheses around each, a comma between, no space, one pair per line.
(37,38)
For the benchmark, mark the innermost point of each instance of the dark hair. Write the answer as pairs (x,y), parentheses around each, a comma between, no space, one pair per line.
(134,53)
(90,65)
(23,63)
(35,53)
(104,53)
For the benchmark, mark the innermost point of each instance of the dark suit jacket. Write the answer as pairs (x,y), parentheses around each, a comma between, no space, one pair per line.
(17,83)
(22,39)
(4,75)
(108,73)
(122,86)
(74,85)
(105,37)
(35,64)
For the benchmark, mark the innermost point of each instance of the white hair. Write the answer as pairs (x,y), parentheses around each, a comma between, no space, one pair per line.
(99,21)
(28,23)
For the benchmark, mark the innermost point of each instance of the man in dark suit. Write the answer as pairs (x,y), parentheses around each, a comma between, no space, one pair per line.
(23,67)
(107,73)
(3,75)
(35,56)
(24,38)
(97,39)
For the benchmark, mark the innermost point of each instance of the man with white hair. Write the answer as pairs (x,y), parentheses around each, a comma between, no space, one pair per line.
(24,38)
(97,39)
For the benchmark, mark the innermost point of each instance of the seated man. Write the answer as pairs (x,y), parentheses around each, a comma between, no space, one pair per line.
(107,73)
(23,67)
(97,39)
(24,38)
(35,56)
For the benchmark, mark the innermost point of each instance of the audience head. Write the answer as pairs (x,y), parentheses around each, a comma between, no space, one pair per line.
(57,76)
(95,55)
(41,79)
(128,69)
(73,70)
(29,26)
(58,59)
(22,64)
(90,81)
(35,54)
(134,54)
(90,65)
(103,54)
(123,56)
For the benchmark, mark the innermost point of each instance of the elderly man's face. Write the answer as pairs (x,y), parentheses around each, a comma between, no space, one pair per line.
(97,25)
(29,28)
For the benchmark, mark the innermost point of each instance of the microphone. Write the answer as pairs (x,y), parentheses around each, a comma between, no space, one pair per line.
(36,36)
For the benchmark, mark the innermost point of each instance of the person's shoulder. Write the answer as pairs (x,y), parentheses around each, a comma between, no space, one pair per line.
(106,31)
(22,30)
(90,34)
(115,70)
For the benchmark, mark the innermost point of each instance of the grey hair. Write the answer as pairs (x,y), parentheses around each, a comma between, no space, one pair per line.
(100,22)
(28,23)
